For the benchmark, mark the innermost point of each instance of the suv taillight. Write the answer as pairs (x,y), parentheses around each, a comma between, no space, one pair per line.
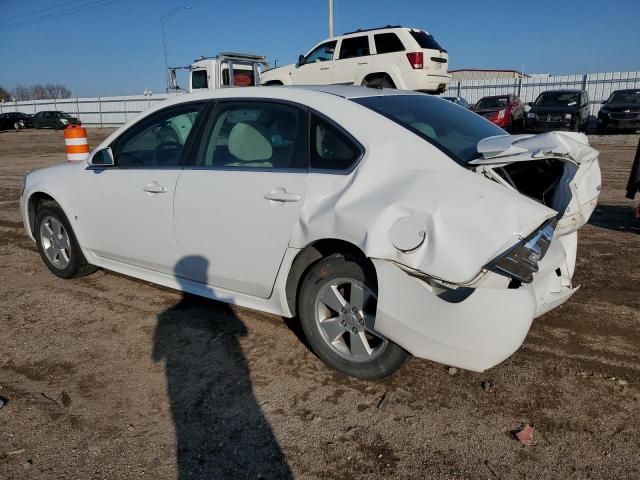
(416,59)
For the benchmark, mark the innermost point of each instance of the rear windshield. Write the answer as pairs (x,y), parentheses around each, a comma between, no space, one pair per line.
(492,102)
(425,40)
(454,130)
(558,99)
(625,96)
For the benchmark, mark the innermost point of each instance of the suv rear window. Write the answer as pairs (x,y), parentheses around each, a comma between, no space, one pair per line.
(425,40)
(354,47)
(387,43)
(454,130)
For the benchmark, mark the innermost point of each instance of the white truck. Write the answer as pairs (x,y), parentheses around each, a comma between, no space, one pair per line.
(227,69)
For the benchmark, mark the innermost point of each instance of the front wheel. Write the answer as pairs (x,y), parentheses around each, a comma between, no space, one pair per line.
(337,309)
(57,244)
(17,126)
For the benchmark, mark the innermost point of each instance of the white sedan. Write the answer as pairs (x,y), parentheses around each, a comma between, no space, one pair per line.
(391,223)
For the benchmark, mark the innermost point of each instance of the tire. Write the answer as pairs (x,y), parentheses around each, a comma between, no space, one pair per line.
(16,126)
(380,83)
(53,231)
(345,339)
(576,124)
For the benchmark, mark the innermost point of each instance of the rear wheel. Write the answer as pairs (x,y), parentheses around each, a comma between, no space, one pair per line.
(57,244)
(379,82)
(337,308)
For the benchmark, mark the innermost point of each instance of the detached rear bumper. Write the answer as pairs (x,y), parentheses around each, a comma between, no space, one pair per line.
(480,331)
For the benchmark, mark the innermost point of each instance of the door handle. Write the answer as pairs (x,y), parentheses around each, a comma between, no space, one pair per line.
(363,63)
(282,197)
(154,188)
(325,68)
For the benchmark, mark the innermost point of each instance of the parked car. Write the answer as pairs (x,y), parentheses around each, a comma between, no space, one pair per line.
(559,110)
(506,111)
(458,101)
(54,119)
(392,223)
(388,57)
(620,112)
(14,121)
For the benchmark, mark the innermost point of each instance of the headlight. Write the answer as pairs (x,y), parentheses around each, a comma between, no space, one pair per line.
(520,262)
(531,115)
(501,114)
(567,116)
(64,121)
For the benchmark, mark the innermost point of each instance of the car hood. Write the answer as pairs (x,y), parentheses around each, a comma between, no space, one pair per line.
(276,72)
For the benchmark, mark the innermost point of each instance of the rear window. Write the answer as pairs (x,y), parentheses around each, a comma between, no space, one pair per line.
(354,47)
(454,130)
(425,40)
(241,78)
(387,43)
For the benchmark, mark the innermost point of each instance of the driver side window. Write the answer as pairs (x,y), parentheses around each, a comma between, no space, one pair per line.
(158,141)
(323,53)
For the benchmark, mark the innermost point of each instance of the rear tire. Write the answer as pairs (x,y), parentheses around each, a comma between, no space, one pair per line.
(337,307)
(379,83)
(57,244)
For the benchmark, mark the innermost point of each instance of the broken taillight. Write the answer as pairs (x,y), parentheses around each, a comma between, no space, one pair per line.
(416,59)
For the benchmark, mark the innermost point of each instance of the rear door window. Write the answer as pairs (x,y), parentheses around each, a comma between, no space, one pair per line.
(387,43)
(331,149)
(354,47)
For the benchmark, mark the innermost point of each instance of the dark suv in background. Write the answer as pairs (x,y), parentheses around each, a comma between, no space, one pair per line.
(559,110)
(14,121)
(506,111)
(620,112)
(54,119)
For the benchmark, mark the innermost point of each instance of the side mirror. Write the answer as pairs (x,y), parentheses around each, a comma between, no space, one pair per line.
(300,60)
(103,158)
(603,102)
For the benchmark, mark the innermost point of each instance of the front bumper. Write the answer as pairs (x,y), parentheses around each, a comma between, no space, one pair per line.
(542,126)
(481,330)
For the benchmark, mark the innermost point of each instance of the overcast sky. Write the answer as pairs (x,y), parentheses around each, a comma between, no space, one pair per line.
(114,47)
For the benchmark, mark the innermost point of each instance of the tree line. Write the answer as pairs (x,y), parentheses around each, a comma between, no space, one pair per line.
(39,91)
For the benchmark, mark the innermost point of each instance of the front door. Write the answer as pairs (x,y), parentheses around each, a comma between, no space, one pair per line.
(234,212)
(317,66)
(127,209)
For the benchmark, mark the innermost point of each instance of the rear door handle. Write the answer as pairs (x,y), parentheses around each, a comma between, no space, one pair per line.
(325,68)
(363,63)
(282,197)
(154,188)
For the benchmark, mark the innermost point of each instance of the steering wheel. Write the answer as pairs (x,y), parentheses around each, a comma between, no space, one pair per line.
(163,146)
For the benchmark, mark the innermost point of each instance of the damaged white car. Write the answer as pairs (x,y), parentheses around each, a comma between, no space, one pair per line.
(391,223)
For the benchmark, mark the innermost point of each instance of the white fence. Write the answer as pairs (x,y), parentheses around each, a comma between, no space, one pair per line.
(114,111)
(598,85)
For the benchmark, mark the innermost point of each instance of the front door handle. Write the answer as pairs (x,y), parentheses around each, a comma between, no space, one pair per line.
(325,68)
(282,197)
(363,63)
(154,188)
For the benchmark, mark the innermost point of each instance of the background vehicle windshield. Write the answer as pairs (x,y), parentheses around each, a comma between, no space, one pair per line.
(558,99)
(492,102)
(454,130)
(625,96)
(426,41)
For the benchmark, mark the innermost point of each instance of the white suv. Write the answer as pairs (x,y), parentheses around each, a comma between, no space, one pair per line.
(389,57)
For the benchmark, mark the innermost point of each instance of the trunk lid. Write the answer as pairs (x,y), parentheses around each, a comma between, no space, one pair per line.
(558,169)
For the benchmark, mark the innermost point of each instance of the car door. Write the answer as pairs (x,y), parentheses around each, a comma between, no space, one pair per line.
(317,66)
(237,208)
(126,210)
(354,60)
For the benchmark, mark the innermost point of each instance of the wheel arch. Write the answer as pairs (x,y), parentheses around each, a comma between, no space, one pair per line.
(36,201)
(312,253)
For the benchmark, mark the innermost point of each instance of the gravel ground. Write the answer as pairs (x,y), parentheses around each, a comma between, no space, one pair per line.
(109,377)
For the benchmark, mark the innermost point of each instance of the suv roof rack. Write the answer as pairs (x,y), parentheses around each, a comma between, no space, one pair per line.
(371,29)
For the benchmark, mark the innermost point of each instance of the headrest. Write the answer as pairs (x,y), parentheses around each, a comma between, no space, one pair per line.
(248,144)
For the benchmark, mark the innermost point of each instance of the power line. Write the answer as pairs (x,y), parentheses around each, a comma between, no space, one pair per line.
(62,13)
(39,11)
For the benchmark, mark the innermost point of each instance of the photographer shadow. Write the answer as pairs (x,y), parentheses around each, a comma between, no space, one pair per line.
(220,429)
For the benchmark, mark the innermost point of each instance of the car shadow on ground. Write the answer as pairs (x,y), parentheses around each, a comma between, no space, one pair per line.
(220,429)
(615,217)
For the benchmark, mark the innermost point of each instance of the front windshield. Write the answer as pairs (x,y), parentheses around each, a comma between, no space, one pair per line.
(454,130)
(492,102)
(625,96)
(558,99)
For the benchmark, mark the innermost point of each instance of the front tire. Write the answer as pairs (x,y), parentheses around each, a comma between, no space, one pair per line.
(57,244)
(337,307)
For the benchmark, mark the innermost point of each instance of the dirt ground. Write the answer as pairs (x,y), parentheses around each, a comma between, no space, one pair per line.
(108,377)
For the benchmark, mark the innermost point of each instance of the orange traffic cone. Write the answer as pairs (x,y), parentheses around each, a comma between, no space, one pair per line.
(75,140)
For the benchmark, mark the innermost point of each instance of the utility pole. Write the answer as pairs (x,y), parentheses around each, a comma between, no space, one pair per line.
(330,18)
(164,19)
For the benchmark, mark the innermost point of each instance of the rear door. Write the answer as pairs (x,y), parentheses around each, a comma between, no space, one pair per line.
(236,209)
(354,60)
